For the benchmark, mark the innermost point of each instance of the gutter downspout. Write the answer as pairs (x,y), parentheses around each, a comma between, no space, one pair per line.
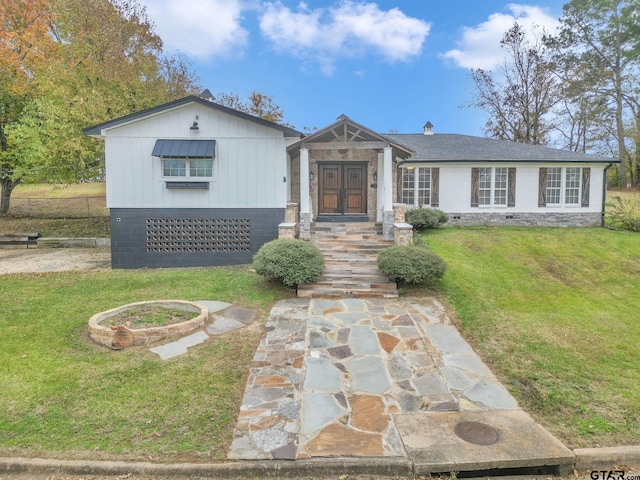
(604,191)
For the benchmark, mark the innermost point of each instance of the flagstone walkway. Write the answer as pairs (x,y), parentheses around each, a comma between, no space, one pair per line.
(330,376)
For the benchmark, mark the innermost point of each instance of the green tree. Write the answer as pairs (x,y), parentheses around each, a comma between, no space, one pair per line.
(602,36)
(103,60)
(25,47)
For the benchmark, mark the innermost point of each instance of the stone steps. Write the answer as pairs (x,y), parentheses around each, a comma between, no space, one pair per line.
(362,282)
(360,275)
(351,270)
(314,291)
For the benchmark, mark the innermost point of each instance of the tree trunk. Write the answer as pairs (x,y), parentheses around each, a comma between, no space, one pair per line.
(7,185)
(617,78)
(636,156)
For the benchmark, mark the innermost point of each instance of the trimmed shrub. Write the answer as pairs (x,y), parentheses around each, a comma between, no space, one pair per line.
(293,262)
(412,264)
(422,218)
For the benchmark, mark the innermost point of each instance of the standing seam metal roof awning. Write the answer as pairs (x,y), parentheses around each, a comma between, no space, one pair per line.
(184,148)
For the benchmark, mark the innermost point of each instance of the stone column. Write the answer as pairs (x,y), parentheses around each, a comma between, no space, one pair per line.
(287,230)
(403,234)
(291,213)
(305,203)
(387,215)
(399,210)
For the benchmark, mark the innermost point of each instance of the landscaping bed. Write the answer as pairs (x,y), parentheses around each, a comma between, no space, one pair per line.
(143,316)
(146,323)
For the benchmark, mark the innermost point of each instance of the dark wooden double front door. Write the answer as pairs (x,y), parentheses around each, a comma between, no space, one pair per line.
(342,189)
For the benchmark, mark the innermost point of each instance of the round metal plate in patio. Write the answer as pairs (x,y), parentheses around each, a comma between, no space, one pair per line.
(477,433)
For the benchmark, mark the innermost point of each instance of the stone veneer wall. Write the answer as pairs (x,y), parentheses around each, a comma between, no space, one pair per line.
(295,178)
(556,219)
(190,237)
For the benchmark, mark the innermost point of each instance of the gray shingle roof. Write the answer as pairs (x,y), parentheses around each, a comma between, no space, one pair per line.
(96,130)
(447,147)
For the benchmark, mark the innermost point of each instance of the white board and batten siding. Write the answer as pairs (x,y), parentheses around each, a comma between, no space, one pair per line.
(455,188)
(248,168)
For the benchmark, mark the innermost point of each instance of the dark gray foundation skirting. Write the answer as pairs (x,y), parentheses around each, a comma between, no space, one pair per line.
(182,237)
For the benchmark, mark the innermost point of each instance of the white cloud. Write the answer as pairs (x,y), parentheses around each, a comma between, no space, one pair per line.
(200,28)
(479,46)
(351,28)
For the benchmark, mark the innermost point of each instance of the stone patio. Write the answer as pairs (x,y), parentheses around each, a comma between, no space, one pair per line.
(334,377)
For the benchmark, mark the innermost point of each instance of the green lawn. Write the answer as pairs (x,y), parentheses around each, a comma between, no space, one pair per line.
(58,210)
(59,190)
(57,227)
(556,314)
(64,396)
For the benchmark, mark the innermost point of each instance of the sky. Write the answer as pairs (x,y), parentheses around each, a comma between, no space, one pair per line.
(390,65)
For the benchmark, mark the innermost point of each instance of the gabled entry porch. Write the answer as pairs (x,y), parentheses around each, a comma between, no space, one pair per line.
(344,172)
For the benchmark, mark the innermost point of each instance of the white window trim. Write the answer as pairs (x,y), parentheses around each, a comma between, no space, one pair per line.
(492,203)
(187,175)
(563,191)
(416,185)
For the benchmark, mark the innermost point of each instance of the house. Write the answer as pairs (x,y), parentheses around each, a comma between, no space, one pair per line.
(194,183)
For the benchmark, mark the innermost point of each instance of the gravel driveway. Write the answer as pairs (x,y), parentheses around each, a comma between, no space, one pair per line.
(38,260)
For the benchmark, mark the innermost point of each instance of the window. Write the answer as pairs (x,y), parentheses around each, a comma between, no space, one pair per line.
(554,185)
(424,185)
(174,168)
(200,168)
(572,186)
(419,186)
(178,167)
(484,187)
(564,186)
(500,181)
(493,186)
(408,191)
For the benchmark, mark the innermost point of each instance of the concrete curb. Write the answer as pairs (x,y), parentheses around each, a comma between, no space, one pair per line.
(607,457)
(587,459)
(243,469)
(54,242)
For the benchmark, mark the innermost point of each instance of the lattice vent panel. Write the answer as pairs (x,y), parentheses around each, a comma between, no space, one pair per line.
(198,235)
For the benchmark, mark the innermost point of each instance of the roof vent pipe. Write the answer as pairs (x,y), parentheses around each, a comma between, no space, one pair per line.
(428,128)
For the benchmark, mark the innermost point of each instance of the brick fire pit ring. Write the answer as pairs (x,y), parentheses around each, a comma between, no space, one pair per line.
(122,336)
